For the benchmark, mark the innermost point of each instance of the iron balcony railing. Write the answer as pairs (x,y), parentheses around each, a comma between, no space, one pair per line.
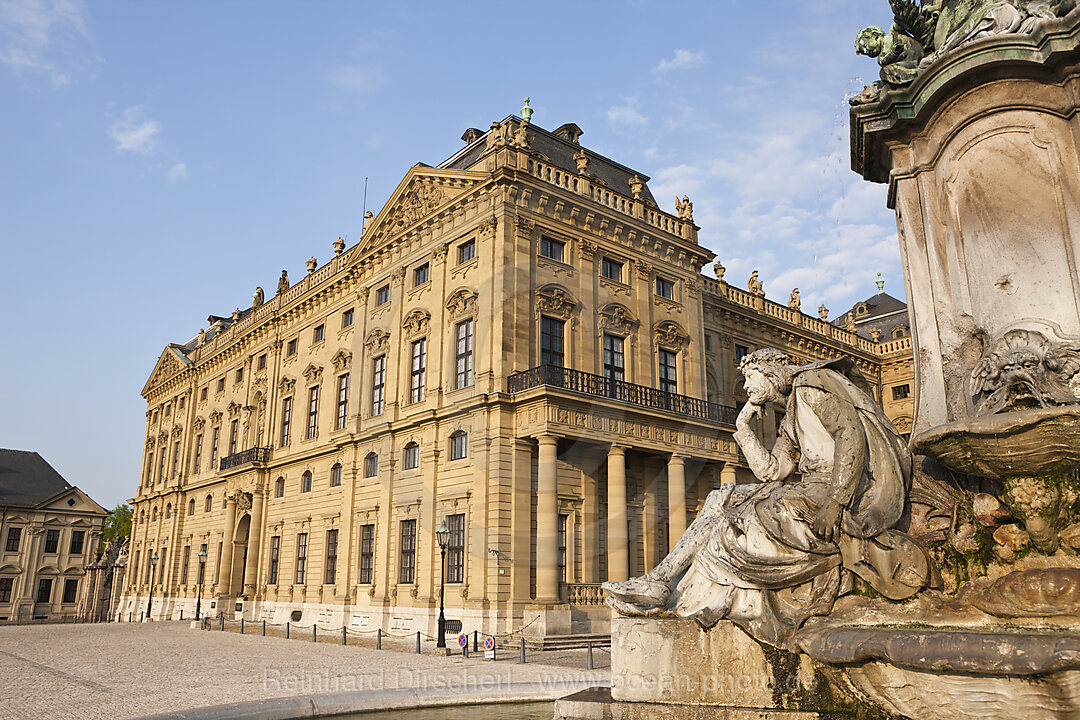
(600,386)
(244,457)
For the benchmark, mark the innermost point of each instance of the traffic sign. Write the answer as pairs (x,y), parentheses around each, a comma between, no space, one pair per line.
(489,643)
(463,640)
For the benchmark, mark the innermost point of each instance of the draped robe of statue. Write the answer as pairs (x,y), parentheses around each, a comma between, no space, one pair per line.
(752,555)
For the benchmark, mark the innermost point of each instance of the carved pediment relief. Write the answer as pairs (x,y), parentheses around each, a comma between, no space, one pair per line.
(416,323)
(215,417)
(234,409)
(163,438)
(378,342)
(171,362)
(617,319)
(524,227)
(313,373)
(286,384)
(177,431)
(462,303)
(670,334)
(341,360)
(555,301)
(200,423)
(150,441)
(421,199)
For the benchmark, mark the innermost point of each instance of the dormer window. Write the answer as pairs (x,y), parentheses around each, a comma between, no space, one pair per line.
(861,310)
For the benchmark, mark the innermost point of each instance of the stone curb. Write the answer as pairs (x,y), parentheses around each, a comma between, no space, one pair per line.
(329,704)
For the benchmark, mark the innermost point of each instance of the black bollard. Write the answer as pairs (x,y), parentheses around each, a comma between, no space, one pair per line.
(286,629)
(314,633)
(343,641)
(181,613)
(417,642)
(378,638)
(475,646)
(589,661)
(523,649)
(241,624)
(222,622)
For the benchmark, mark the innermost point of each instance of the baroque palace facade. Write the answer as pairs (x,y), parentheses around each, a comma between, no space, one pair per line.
(522,346)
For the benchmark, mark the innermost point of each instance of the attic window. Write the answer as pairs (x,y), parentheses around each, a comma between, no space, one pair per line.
(861,310)
(71,502)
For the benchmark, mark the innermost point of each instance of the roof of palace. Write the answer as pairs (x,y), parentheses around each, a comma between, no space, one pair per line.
(883,312)
(26,480)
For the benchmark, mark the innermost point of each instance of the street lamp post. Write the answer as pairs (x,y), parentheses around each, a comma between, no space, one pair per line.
(202,569)
(443,536)
(150,598)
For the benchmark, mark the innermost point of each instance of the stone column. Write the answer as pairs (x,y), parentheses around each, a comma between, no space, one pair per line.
(727,474)
(547,520)
(676,499)
(225,570)
(251,568)
(618,554)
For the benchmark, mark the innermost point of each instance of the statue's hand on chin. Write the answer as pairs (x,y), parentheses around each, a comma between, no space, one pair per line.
(749,412)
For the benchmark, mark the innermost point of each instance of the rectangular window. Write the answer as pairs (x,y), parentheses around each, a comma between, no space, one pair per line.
(198,453)
(313,412)
(668,381)
(214,440)
(741,351)
(44,590)
(614,360)
(342,400)
(331,557)
(275,558)
(419,369)
(161,464)
(335,475)
(182,399)
(71,591)
(149,468)
(290,348)
(382,295)
(202,393)
(261,363)
(77,542)
(319,334)
(551,341)
(665,288)
(378,385)
(455,549)
(221,385)
(367,553)
(408,552)
(168,410)
(611,269)
(561,549)
(305,482)
(239,375)
(421,275)
(176,459)
(708,343)
(464,355)
(286,420)
(13,536)
(135,569)
(466,251)
(184,564)
(52,541)
(551,248)
(234,436)
(301,557)
(5,589)
(901,391)
(459,445)
(347,318)
(412,456)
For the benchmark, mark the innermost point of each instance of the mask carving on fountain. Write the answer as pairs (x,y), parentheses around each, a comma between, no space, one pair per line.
(1025,370)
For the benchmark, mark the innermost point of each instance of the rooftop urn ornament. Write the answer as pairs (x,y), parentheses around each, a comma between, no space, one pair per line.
(312,263)
(526,112)
(283,282)
(795,301)
(880,282)
(636,186)
(582,161)
(236,314)
(257,299)
(823,311)
(339,246)
(875,333)
(719,269)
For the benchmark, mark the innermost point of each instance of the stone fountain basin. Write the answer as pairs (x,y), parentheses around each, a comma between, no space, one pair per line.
(1013,444)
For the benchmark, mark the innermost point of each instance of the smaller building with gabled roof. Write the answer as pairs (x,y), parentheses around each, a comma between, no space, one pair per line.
(49,532)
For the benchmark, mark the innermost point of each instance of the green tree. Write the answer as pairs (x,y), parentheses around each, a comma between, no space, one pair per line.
(118,524)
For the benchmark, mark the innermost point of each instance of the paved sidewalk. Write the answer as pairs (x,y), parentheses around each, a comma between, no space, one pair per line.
(122,670)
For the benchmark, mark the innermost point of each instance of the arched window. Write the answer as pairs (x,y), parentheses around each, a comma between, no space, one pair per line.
(209,503)
(412,456)
(305,482)
(168,511)
(459,445)
(191,506)
(371,465)
(153,514)
(279,487)
(335,475)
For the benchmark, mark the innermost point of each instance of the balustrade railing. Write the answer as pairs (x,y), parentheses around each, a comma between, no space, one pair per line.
(245,457)
(584,594)
(600,386)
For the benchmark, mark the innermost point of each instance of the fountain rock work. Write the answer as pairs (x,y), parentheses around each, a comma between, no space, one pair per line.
(940,580)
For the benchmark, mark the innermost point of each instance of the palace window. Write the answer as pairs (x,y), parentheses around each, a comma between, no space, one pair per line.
(221,385)
(275,558)
(209,503)
(168,510)
(561,549)
(464,354)
(342,401)
(313,412)
(44,590)
(367,553)
(347,318)
(153,514)
(665,288)
(305,481)
(412,456)
(290,348)
(455,549)
(611,269)
(419,369)
(279,487)
(182,398)
(261,363)
(614,360)
(371,465)
(5,589)
(318,335)
(234,436)
(421,275)
(335,475)
(382,295)
(741,351)
(551,341)
(184,564)
(708,342)
(466,251)
(331,557)
(191,506)
(161,465)
(459,445)
(71,591)
(202,393)
(552,248)
(76,545)
(149,468)
(901,392)
(301,557)
(408,552)
(668,381)
(239,375)
(198,453)
(52,540)
(286,420)
(13,537)
(168,410)
(378,385)
(214,439)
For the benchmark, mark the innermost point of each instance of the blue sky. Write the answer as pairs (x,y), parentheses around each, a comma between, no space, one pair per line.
(158,160)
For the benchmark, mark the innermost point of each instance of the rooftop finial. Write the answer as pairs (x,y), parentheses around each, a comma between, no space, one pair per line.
(526,111)
(880,284)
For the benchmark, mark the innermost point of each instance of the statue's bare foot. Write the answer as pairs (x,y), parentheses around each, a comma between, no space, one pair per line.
(629,609)
(639,590)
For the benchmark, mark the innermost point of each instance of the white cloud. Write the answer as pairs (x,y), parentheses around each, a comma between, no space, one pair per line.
(30,29)
(134,134)
(683,60)
(626,116)
(356,78)
(178,172)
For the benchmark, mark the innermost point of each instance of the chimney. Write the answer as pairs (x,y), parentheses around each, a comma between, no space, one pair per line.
(570,132)
(472,135)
